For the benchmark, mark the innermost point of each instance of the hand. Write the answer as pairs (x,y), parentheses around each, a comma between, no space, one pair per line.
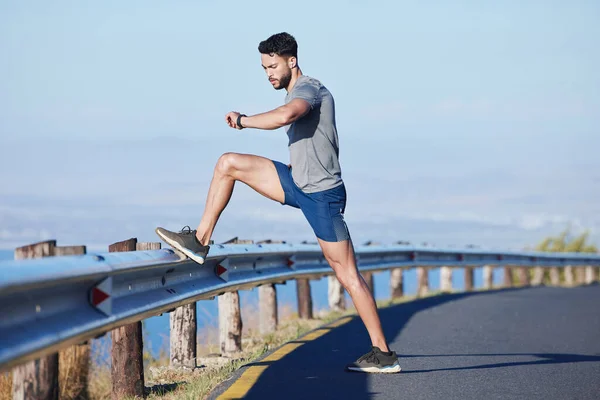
(231,119)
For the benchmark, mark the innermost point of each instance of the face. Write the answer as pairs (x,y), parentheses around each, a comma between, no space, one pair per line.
(278,69)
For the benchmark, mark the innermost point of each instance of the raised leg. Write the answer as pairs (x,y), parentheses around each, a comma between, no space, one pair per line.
(257,172)
(340,256)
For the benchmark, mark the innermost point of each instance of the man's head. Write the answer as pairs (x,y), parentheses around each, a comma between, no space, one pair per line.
(279,56)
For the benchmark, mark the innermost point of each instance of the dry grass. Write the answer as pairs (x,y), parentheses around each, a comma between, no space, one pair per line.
(6,386)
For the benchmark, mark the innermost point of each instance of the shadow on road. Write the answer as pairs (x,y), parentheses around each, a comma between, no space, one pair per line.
(544,359)
(316,369)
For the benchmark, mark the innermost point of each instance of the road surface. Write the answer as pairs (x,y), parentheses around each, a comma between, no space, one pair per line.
(532,343)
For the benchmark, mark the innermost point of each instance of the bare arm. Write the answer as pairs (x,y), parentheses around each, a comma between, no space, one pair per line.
(274,119)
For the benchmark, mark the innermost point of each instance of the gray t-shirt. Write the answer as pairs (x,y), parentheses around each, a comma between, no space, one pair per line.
(313,139)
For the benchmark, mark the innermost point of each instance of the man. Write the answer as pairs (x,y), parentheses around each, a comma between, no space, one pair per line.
(311,182)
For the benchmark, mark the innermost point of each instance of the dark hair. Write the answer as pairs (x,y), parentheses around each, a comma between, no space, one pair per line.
(282,44)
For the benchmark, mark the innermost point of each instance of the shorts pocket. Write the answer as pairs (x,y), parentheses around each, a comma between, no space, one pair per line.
(336,214)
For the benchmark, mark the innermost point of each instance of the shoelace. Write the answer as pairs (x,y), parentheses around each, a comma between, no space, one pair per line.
(186,230)
(370,357)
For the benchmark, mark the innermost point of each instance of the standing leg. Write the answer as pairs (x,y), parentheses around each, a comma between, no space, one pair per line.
(340,256)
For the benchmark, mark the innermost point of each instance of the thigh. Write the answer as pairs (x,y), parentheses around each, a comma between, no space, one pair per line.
(259,173)
(339,255)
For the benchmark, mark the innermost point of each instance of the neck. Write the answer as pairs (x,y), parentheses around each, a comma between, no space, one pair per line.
(296,73)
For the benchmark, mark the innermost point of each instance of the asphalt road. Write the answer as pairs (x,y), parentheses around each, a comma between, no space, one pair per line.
(534,343)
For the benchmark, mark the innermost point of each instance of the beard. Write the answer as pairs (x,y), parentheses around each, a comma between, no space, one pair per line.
(284,80)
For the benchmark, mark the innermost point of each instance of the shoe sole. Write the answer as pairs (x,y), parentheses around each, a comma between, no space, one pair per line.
(181,249)
(392,369)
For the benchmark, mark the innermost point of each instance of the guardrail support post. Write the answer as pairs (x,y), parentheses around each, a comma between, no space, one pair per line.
(422,281)
(230,315)
(554,276)
(488,274)
(590,275)
(183,325)
(305,307)
(446,279)
(267,301)
(182,336)
(468,279)
(396,283)
(538,276)
(76,357)
(523,273)
(36,379)
(335,294)
(230,323)
(127,370)
(508,276)
(569,278)
(580,274)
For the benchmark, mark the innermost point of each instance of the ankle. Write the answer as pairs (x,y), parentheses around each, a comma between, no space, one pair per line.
(201,240)
(383,347)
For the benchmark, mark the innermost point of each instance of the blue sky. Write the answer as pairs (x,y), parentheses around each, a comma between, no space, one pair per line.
(459,122)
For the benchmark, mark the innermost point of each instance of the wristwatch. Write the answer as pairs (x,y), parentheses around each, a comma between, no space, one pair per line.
(239,120)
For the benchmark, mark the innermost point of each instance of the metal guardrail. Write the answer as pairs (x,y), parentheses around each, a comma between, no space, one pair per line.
(51,303)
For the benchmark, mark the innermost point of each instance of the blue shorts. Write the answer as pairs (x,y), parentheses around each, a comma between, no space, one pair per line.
(323,210)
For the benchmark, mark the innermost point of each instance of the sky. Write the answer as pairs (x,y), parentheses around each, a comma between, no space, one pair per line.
(459,122)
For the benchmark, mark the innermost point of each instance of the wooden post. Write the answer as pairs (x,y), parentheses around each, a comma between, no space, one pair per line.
(335,294)
(305,307)
(590,275)
(538,276)
(488,274)
(396,283)
(36,379)
(69,250)
(422,281)
(446,279)
(267,303)
(523,276)
(554,276)
(368,277)
(127,371)
(230,323)
(74,362)
(36,250)
(182,338)
(230,316)
(468,279)
(183,324)
(580,274)
(268,315)
(507,277)
(569,278)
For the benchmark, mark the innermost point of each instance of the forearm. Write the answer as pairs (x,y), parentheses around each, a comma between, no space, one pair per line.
(270,120)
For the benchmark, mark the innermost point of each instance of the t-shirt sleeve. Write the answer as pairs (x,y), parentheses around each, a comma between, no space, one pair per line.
(306,91)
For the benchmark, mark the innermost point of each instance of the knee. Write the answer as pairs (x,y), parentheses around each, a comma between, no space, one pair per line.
(348,277)
(226,164)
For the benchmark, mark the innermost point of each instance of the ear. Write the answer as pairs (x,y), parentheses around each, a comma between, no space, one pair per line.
(292,62)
